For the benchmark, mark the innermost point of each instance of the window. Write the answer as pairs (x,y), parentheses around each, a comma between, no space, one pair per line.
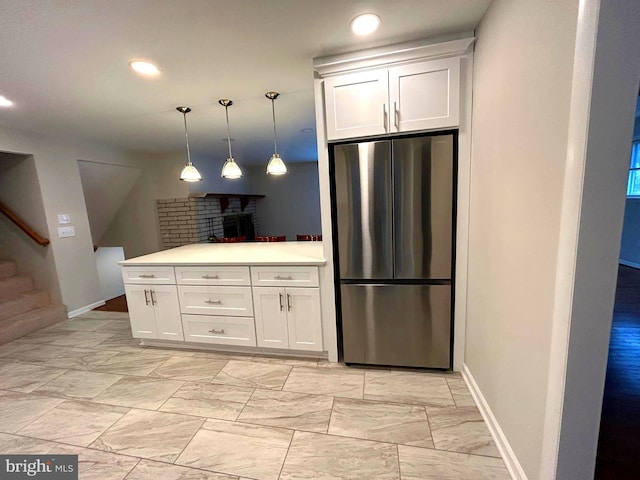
(633,184)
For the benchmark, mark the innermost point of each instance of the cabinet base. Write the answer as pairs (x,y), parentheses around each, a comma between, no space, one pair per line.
(232,349)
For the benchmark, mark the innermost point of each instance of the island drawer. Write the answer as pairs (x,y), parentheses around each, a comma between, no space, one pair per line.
(209,300)
(283,276)
(149,275)
(220,330)
(213,275)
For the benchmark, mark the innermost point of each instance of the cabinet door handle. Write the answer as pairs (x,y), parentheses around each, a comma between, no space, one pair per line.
(210,277)
(396,114)
(288,277)
(213,330)
(384,116)
(143,275)
(288,302)
(281,306)
(154,301)
(215,302)
(146,299)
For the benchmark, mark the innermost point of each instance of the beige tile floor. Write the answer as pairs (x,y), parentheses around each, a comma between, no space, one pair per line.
(142,413)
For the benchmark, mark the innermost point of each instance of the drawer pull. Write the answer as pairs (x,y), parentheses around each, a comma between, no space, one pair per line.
(215,302)
(213,330)
(288,277)
(210,277)
(144,275)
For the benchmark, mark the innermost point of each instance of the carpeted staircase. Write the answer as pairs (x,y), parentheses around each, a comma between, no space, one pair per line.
(22,309)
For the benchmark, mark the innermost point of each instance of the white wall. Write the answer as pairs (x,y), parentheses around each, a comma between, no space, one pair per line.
(630,244)
(109,272)
(105,186)
(292,202)
(135,226)
(522,85)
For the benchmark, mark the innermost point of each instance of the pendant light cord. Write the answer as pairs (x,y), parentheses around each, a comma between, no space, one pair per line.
(226,112)
(186,134)
(273,112)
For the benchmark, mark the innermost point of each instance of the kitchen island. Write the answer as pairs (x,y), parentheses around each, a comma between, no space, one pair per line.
(249,297)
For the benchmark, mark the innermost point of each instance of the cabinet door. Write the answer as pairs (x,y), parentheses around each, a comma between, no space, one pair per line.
(304,319)
(357,104)
(270,317)
(141,311)
(425,95)
(167,312)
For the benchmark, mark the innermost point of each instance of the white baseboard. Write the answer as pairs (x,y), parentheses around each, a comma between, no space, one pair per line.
(509,457)
(629,264)
(79,311)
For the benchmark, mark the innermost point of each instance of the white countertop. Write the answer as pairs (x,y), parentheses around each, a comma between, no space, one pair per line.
(243,253)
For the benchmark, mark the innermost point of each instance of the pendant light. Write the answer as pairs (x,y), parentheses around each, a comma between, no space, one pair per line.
(275,166)
(230,169)
(189,172)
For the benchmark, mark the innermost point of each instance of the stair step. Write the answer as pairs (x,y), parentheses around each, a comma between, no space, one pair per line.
(14,286)
(23,303)
(7,269)
(29,322)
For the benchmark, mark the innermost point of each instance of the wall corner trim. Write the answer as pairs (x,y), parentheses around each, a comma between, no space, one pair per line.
(507,453)
(79,311)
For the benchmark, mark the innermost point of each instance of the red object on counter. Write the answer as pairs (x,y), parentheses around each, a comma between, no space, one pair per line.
(309,238)
(273,238)
(232,239)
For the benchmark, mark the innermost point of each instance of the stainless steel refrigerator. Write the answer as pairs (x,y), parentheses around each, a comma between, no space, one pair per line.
(394,213)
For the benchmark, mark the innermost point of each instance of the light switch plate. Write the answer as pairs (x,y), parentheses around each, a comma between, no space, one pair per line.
(64,218)
(64,232)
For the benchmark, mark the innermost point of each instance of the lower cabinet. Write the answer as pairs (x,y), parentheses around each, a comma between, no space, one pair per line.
(288,318)
(257,306)
(154,311)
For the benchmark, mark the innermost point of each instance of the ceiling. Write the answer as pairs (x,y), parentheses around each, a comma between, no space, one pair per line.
(65,65)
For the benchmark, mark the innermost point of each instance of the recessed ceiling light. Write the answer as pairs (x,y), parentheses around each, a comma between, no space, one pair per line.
(5,102)
(365,24)
(145,68)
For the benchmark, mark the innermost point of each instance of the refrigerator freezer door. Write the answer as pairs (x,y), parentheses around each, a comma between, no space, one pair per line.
(403,325)
(364,210)
(423,206)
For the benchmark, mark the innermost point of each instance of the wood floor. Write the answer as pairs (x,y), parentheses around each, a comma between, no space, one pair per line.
(619,443)
(117,304)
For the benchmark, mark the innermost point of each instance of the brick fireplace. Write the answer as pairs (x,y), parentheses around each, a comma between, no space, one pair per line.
(195,219)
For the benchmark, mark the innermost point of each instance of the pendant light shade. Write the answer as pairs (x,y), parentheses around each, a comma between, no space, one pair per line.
(189,172)
(275,166)
(230,169)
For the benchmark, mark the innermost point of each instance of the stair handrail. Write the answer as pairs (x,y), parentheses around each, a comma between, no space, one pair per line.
(22,225)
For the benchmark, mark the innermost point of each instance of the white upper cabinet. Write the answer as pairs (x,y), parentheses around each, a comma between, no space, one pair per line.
(405,98)
(425,95)
(357,104)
